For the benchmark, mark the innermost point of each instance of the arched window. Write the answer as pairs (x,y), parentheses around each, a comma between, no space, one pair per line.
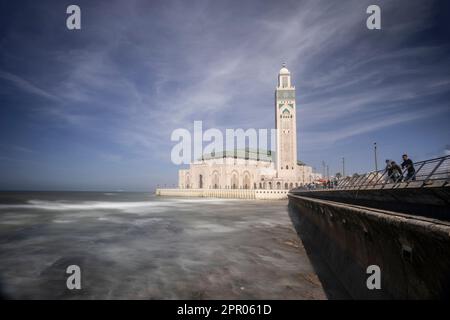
(188,181)
(215,180)
(247,182)
(234,180)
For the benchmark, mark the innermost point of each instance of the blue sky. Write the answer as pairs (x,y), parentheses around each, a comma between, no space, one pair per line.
(94,109)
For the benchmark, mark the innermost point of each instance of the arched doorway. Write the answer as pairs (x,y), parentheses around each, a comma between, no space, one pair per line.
(215,180)
(188,181)
(200,182)
(234,180)
(246,183)
(278,185)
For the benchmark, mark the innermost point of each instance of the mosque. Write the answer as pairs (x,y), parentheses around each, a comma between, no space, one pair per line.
(256,168)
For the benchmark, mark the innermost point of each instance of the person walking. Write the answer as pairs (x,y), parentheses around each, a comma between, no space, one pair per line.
(388,170)
(409,165)
(396,172)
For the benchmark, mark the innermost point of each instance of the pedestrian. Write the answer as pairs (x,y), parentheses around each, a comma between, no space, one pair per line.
(396,172)
(409,165)
(388,170)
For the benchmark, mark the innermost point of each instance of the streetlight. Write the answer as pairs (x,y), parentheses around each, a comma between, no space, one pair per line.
(343,167)
(323,166)
(375,153)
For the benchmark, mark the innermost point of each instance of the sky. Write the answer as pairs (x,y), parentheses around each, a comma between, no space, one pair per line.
(94,109)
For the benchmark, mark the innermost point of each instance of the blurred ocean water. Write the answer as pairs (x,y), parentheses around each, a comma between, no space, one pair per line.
(137,246)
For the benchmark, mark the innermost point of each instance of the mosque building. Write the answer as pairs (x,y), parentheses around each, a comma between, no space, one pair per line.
(256,168)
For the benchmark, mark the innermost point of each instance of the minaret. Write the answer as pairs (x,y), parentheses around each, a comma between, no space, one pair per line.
(285,123)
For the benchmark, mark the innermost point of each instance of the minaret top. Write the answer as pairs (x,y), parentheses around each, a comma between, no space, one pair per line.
(284,70)
(284,78)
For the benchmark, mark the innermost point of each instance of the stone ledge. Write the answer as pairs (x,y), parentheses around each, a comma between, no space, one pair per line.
(257,194)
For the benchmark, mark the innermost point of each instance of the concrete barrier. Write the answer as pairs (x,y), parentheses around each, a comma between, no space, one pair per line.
(432,202)
(412,252)
(257,194)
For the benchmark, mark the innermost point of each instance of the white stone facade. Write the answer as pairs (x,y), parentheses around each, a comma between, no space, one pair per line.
(255,169)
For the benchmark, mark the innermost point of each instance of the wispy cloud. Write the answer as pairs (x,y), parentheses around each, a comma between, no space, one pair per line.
(128,85)
(23,149)
(27,86)
(205,71)
(324,138)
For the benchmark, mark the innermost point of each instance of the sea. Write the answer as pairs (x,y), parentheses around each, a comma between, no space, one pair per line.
(139,246)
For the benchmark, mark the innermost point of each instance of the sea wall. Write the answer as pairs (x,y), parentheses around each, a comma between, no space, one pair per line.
(225,193)
(431,201)
(412,252)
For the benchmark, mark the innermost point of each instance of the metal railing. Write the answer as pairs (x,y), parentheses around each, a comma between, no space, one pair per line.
(433,172)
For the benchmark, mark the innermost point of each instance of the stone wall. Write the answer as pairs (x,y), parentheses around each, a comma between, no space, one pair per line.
(225,193)
(412,252)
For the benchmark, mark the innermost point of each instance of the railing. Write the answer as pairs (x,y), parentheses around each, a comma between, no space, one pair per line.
(433,172)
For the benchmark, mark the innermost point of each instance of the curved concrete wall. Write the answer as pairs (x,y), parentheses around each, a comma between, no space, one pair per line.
(433,202)
(413,253)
